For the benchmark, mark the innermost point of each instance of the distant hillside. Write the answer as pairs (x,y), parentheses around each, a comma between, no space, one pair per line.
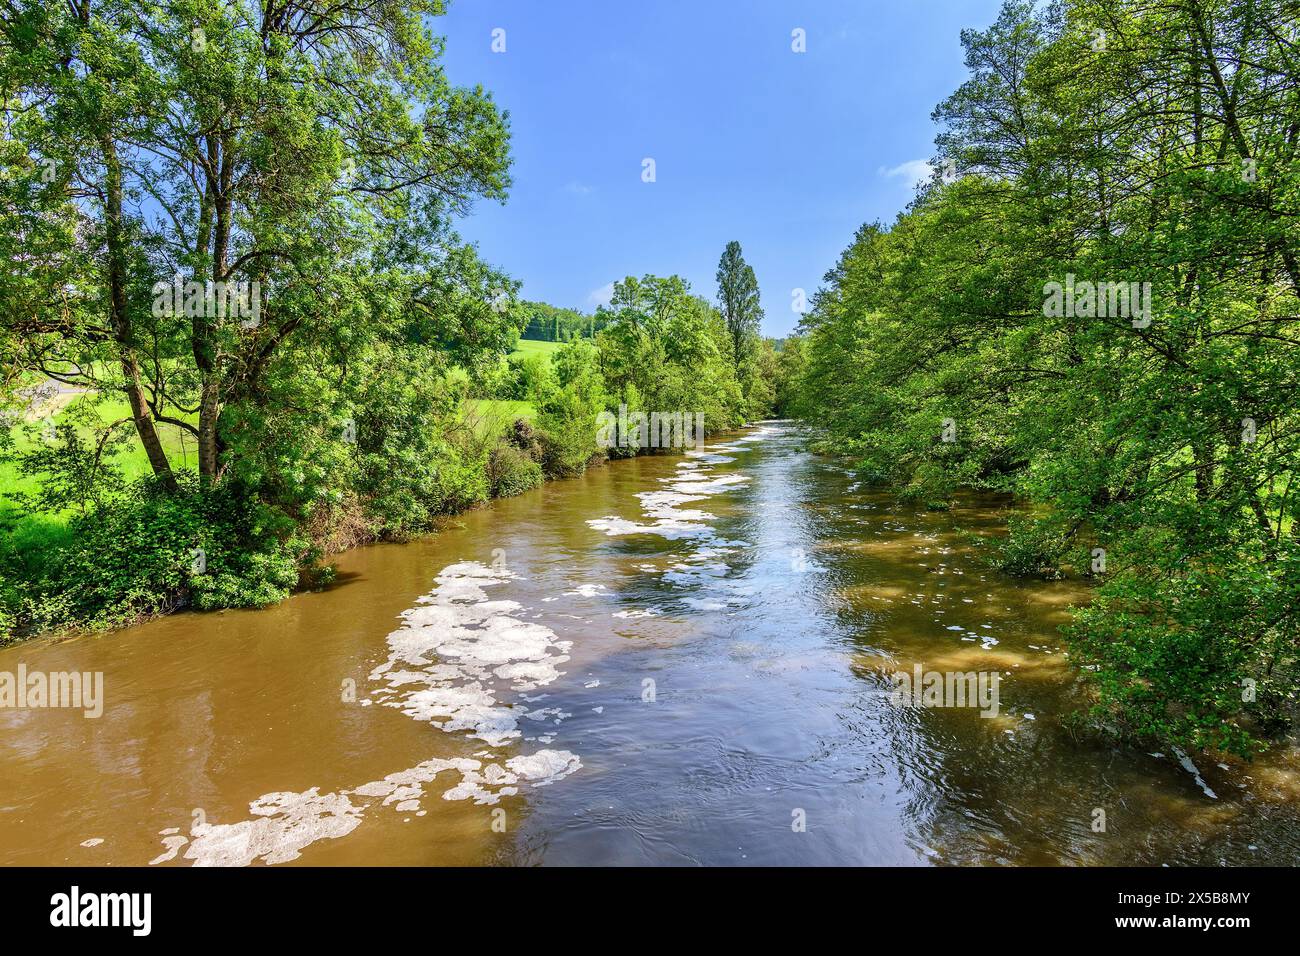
(551,323)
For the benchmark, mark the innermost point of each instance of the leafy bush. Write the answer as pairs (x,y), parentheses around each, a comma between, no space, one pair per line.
(1202,654)
(528,374)
(515,378)
(568,440)
(148,551)
(524,437)
(944,351)
(76,470)
(511,471)
(568,406)
(1032,548)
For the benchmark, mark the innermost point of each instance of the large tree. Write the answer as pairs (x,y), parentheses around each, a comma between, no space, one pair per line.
(738,300)
(665,349)
(1112,141)
(315,148)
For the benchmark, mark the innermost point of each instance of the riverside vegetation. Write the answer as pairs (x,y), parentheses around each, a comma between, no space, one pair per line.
(1139,146)
(156,457)
(1121,142)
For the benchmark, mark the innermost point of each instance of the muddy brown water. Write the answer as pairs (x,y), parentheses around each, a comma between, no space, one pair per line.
(672,660)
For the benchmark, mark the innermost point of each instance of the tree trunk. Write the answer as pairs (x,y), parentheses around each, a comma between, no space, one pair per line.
(121,320)
(220,174)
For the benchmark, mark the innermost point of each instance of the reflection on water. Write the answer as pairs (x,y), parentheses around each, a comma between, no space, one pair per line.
(670,660)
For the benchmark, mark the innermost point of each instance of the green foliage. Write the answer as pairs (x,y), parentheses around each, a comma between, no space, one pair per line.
(137,554)
(28,546)
(1199,650)
(516,378)
(74,471)
(523,436)
(549,323)
(759,373)
(738,301)
(1163,155)
(1033,548)
(512,471)
(787,384)
(671,351)
(323,158)
(567,410)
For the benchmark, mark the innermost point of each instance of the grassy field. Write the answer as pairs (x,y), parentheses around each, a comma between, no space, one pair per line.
(485,414)
(494,415)
(133,463)
(529,347)
(525,347)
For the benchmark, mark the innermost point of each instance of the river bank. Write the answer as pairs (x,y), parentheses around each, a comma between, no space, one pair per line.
(667,660)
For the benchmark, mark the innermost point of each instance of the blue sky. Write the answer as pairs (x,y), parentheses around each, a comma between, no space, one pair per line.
(787,152)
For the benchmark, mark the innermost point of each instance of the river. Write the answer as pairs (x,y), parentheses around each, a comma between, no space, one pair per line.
(671,660)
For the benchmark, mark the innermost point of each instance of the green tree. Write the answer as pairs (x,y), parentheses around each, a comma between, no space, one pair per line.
(1106,141)
(670,351)
(318,156)
(738,300)
(309,160)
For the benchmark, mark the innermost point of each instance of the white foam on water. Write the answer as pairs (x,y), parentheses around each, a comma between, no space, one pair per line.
(672,530)
(1190,767)
(171,846)
(461,662)
(452,664)
(667,516)
(285,823)
(702,604)
(545,767)
(456,651)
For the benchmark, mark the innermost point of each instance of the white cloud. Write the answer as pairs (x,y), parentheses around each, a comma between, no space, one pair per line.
(602,295)
(915,171)
(577,188)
